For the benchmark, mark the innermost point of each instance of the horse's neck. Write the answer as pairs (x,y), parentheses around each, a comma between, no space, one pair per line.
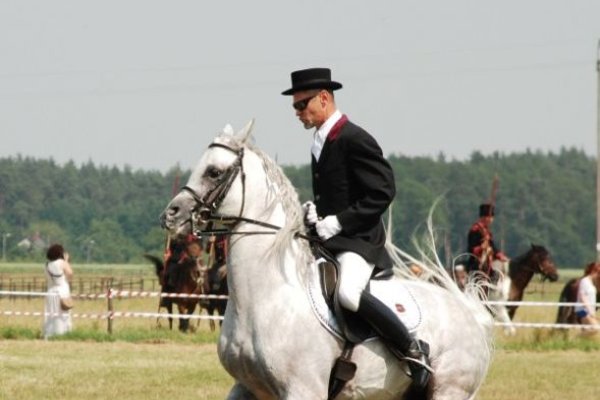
(520,274)
(255,270)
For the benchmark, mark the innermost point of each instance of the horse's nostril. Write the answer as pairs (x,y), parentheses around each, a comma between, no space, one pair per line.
(173,210)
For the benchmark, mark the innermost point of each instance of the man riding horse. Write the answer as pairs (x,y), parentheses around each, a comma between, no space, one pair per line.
(353,185)
(481,248)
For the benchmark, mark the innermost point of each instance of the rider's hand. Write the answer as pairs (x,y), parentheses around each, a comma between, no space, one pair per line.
(310,213)
(328,227)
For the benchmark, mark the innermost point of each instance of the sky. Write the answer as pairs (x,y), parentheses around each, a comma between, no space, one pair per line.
(147,84)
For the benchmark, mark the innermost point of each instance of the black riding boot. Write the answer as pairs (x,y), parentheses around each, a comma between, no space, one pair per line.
(392,330)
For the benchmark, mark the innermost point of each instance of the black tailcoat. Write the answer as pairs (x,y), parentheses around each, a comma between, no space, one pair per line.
(353,181)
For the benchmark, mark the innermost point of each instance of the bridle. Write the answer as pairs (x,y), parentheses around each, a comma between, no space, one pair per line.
(205,209)
(542,265)
(545,267)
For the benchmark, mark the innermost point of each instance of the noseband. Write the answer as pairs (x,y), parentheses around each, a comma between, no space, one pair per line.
(539,266)
(206,206)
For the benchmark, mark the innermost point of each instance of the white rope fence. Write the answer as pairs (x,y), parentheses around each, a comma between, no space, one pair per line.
(534,303)
(111,314)
(122,294)
(117,294)
(541,325)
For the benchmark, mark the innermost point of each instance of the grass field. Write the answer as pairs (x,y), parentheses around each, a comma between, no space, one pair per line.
(69,370)
(142,361)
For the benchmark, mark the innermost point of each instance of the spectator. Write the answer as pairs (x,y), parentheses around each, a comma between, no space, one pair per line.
(57,317)
(586,294)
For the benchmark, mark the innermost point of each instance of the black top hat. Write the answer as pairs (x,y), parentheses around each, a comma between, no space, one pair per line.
(486,210)
(312,78)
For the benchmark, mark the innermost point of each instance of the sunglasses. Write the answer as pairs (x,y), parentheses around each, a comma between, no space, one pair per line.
(301,105)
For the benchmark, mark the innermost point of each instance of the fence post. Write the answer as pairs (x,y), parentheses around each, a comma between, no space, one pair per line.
(111,310)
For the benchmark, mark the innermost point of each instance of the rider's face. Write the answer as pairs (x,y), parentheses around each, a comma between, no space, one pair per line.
(310,108)
(194,249)
(488,220)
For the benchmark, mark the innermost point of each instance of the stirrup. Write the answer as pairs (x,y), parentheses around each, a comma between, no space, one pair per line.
(418,362)
(402,357)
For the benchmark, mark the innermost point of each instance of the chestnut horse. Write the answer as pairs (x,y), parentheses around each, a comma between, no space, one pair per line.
(184,277)
(536,260)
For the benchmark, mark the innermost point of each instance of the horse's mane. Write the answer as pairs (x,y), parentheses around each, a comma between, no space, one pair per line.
(281,192)
(517,262)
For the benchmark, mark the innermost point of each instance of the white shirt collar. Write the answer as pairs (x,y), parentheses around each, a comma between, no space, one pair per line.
(321,134)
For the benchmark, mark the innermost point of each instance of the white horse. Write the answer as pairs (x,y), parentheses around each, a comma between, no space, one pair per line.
(272,341)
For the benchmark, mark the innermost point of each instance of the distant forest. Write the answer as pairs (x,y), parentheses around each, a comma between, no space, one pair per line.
(110,215)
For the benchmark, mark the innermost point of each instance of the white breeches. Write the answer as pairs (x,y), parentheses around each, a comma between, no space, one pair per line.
(355,273)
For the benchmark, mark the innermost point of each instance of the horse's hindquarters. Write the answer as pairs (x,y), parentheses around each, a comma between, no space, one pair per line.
(459,331)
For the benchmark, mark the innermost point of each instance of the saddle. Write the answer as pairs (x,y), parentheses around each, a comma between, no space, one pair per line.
(347,325)
(353,328)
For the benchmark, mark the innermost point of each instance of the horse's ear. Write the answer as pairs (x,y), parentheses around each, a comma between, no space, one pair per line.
(228,130)
(246,132)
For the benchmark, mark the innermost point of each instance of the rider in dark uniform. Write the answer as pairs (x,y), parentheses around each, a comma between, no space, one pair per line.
(480,244)
(353,185)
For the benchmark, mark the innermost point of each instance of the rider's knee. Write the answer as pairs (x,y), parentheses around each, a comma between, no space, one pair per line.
(349,298)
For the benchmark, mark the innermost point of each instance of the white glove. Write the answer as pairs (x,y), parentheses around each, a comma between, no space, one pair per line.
(328,227)
(310,213)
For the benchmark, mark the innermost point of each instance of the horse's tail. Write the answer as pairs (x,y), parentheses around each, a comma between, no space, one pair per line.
(157,261)
(433,271)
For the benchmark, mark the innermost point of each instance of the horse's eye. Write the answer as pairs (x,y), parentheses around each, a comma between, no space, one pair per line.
(213,172)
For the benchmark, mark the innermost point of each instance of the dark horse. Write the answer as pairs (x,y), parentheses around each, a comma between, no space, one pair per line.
(183,277)
(521,269)
(566,314)
(187,277)
(216,282)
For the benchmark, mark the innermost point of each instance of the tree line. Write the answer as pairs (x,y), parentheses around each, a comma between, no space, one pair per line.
(110,215)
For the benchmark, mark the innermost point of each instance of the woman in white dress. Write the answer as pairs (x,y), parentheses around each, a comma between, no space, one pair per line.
(58,274)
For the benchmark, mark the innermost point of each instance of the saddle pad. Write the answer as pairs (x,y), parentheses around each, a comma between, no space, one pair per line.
(322,311)
(394,293)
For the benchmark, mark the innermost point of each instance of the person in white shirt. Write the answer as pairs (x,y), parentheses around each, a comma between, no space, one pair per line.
(586,294)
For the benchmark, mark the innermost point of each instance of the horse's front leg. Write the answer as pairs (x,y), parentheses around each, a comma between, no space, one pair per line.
(239,392)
